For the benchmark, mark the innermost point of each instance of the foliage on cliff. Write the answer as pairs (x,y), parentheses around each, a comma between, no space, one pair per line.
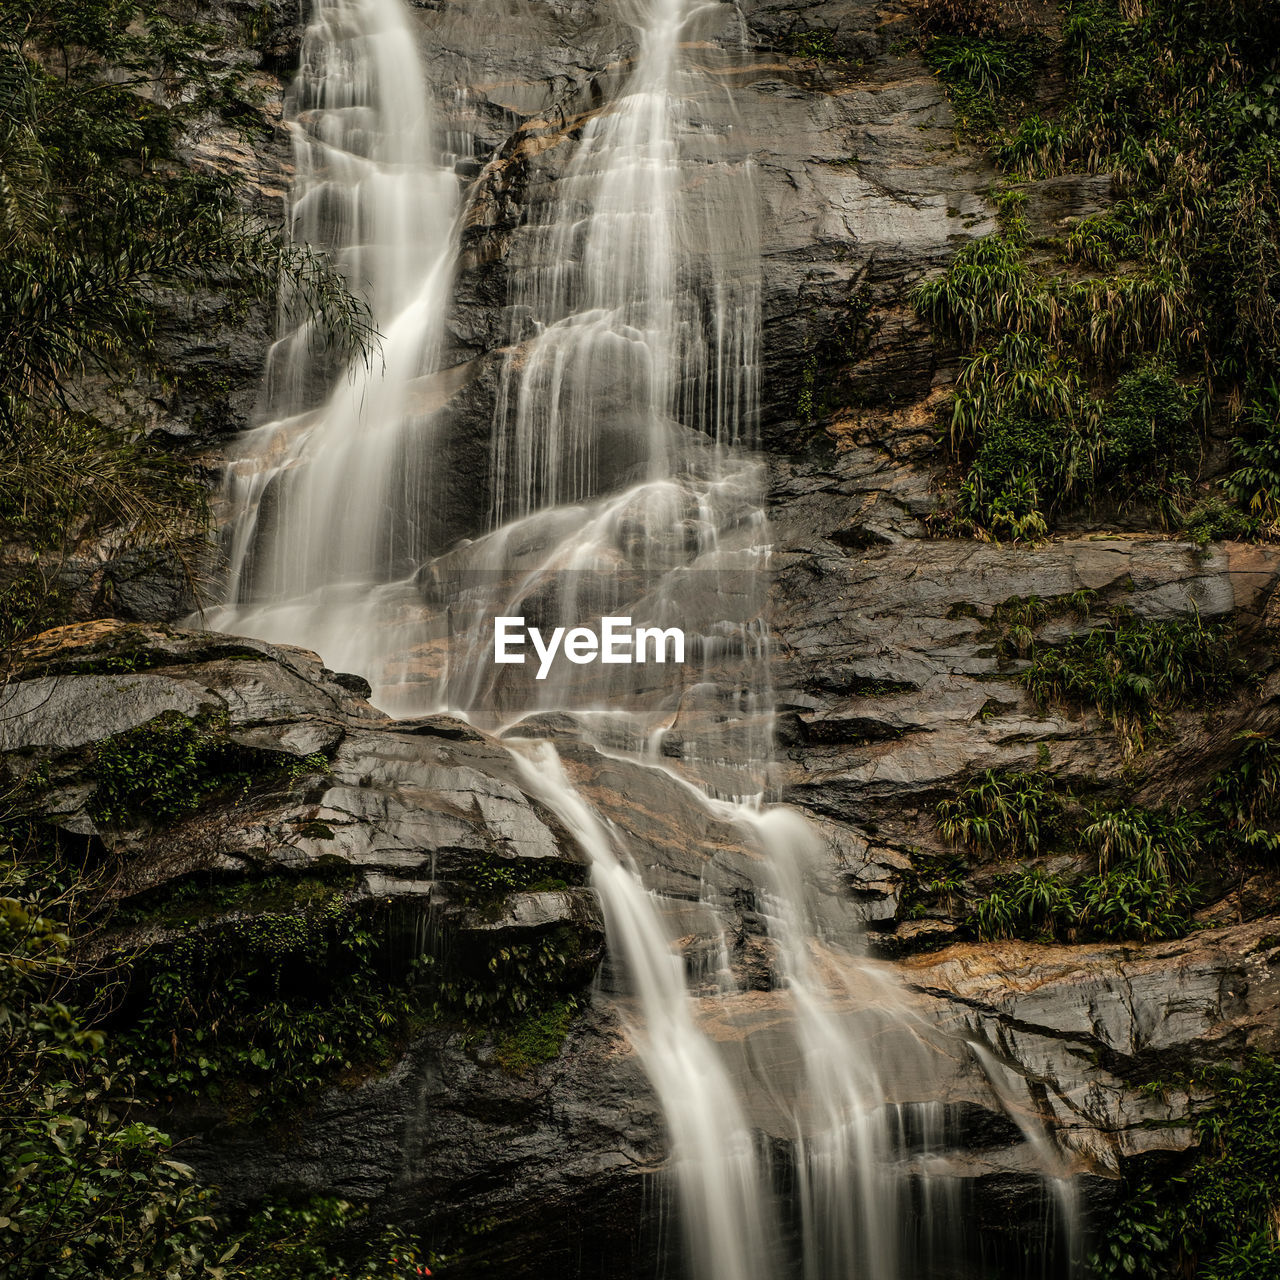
(1136,872)
(1092,362)
(89,1189)
(105,224)
(1217,1219)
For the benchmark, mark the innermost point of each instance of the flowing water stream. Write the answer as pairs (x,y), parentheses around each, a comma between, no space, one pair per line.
(330,499)
(622,483)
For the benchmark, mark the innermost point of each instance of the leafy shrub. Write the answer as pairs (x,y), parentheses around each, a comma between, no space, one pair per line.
(1184,271)
(1037,149)
(1035,439)
(1213,519)
(1129,670)
(488,880)
(988,289)
(167,768)
(1230,1207)
(1003,812)
(1119,904)
(1138,1239)
(257,1012)
(816,46)
(1011,512)
(1019,618)
(511,980)
(986,65)
(985,71)
(261,1010)
(1123,903)
(1157,845)
(1147,424)
(163,770)
(88,1189)
(1215,1220)
(1030,904)
(1244,798)
(1101,241)
(104,228)
(319,1239)
(1255,484)
(938,887)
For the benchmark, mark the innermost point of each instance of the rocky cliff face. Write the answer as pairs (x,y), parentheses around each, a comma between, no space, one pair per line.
(892,684)
(551,1161)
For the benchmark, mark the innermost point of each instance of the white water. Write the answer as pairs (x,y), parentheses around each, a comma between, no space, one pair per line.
(1063,1228)
(331,497)
(726,1218)
(621,482)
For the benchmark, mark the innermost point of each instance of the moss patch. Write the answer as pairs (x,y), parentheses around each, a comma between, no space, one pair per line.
(536,1039)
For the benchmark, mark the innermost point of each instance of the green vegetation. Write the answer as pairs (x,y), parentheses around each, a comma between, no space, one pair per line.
(1216,1220)
(319,1239)
(989,68)
(257,1012)
(195,899)
(1018,619)
(486,881)
(1002,811)
(167,768)
(290,986)
(104,231)
(1038,441)
(286,980)
(1154,844)
(1032,904)
(937,885)
(1213,519)
(163,771)
(510,981)
(1131,670)
(1255,484)
(957,17)
(1244,799)
(88,1189)
(1147,862)
(817,45)
(536,1039)
(1091,363)
(1144,859)
(988,75)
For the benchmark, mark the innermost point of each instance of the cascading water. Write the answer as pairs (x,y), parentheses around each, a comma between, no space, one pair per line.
(330,499)
(618,483)
(622,484)
(726,1218)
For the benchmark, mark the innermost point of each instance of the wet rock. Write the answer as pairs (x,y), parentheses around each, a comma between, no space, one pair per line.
(889,661)
(1013,1035)
(1083,1029)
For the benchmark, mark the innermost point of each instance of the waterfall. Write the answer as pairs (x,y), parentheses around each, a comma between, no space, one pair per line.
(725,1215)
(330,500)
(622,483)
